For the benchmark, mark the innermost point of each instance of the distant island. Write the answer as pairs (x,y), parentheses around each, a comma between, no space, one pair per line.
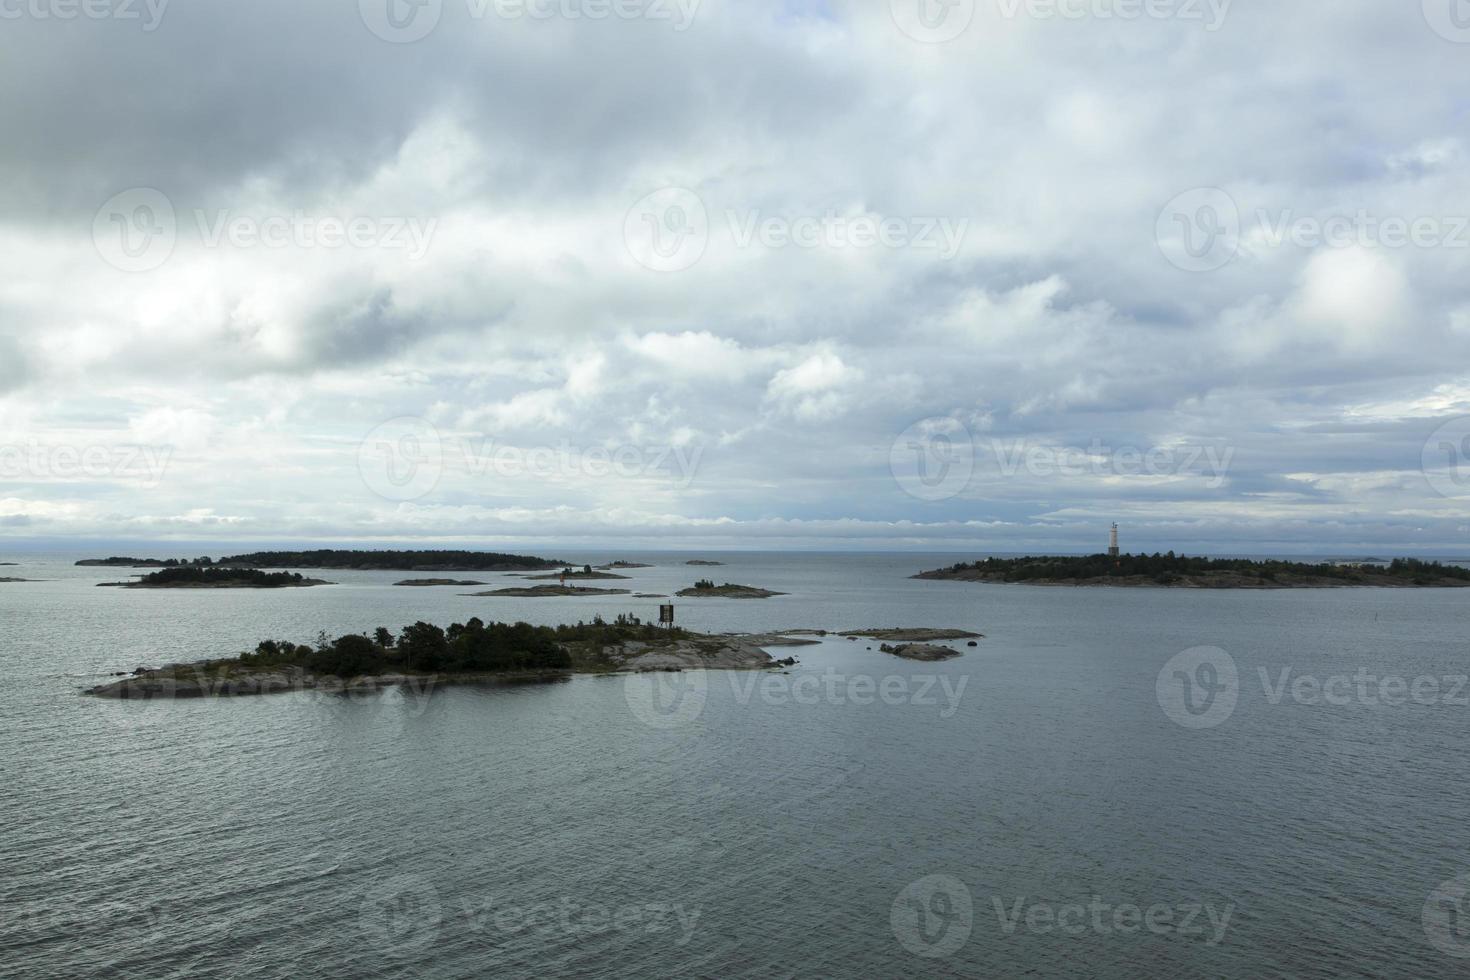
(436,581)
(585,572)
(698,561)
(705,588)
(2,580)
(1182,572)
(623,564)
(547,591)
(189,577)
(471,653)
(408,561)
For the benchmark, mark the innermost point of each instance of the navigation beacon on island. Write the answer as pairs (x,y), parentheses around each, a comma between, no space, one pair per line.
(1113,543)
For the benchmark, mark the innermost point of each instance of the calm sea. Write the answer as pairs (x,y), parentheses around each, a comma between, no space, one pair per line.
(1123,783)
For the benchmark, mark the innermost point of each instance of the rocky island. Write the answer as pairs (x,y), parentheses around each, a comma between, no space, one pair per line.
(923,652)
(623,564)
(913,635)
(469,653)
(218,578)
(706,589)
(1181,572)
(586,572)
(546,591)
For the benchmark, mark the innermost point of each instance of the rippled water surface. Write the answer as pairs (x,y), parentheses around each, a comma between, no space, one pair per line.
(1018,810)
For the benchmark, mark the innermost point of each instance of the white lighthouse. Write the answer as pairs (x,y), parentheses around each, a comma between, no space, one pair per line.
(1113,543)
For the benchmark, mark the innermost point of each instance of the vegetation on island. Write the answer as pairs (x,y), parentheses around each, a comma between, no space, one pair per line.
(705,588)
(585,572)
(472,647)
(1184,571)
(195,577)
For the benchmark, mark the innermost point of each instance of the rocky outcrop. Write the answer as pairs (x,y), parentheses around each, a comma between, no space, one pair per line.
(924,652)
(728,591)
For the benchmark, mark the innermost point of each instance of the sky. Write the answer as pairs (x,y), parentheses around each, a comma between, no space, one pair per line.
(778,274)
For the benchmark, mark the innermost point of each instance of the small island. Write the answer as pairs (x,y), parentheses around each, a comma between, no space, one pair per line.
(922,652)
(585,572)
(623,564)
(470,653)
(706,589)
(698,561)
(218,578)
(1181,572)
(546,591)
(3,580)
(406,561)
(437,581)
(913,635)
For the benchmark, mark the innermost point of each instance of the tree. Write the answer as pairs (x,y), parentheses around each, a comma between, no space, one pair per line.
(383,637)
(350,656)
(424,646)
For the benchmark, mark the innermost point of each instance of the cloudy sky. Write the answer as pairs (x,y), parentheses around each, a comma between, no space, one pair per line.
(737,273)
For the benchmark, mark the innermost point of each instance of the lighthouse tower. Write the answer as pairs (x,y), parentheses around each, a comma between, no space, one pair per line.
(1113,543)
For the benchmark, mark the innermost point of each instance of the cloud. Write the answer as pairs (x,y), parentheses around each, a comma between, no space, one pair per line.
(493,167)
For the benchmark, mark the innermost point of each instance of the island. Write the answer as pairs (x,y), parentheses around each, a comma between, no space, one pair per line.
(912,635)
(217,578)
(697,561)
(704,589)
(585,572)
(546,591)
(623,564)
(407,561)
(436,581)
(923,652)
(470,653)
(3,580)
(118,562)
(1182,572)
